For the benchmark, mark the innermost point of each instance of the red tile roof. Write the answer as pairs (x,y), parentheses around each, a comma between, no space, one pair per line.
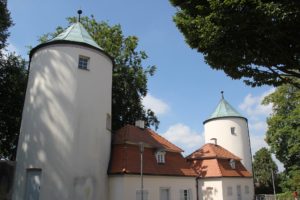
(134,135)
(212,151)
(213,161)
(125,154)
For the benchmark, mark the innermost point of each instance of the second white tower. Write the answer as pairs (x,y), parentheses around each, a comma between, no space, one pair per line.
(230,130)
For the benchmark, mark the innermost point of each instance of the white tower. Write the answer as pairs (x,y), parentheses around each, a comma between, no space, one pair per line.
(230,130)
(64,145)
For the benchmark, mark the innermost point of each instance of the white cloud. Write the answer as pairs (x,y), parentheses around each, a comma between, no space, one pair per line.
(155,104)
(252,105)
(10,48)
(184,137)
(257,142)
(258,126)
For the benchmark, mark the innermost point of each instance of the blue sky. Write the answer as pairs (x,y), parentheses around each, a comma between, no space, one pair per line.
(183,92)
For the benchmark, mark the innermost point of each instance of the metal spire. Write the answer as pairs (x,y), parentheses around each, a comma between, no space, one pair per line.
(222,93)
(79,13)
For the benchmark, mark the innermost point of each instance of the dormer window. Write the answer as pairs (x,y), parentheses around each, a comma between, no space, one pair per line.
(160,157)
(232,163)
(83,62)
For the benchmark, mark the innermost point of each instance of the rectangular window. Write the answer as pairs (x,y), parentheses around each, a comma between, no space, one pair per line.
(83,62)
(247,189)
(139,195)
(186,194)
(229,191)
(164,194)
(232,129)
(160,157)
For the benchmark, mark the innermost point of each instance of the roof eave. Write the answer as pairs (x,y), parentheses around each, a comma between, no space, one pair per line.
(53,42)
(210,119)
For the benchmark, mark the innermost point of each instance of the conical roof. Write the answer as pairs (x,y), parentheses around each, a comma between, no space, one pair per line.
(224,109)
(76,33)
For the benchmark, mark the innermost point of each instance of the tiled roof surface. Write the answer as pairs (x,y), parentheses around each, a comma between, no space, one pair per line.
(213,161)
(76,33)
(212,151)
(125,154)
(224,109)
(125,159)
(219,168)
(135,135)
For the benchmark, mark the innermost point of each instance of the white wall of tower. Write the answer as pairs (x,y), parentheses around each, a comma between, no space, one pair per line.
(63,130)
(237,143)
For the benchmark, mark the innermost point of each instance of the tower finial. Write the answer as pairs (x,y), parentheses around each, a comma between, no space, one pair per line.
(79,13)
(222,93)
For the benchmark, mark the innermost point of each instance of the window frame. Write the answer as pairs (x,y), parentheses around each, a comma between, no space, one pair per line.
(160,156)
(83,62)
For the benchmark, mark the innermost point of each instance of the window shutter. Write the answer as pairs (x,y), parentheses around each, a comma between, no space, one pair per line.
(190,197)
(181,194)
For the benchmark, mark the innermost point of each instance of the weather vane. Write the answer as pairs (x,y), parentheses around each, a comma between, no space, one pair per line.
(222,93)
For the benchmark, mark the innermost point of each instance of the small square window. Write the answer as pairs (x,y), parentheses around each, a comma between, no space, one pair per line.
(232,129)
(83,62)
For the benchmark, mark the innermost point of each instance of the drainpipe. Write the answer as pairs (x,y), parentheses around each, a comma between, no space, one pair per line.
(197,187)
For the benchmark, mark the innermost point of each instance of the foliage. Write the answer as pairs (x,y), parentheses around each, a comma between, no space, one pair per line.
(285,196)
(290,179)
(129,74)
(263,166)
(13,81)
(257,41)
(283,133)
(5,23)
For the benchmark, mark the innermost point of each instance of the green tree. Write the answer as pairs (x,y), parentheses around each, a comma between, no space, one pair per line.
(254,40)
(263,166)
(13,81)
(5,23)
(129,74)
(283,133)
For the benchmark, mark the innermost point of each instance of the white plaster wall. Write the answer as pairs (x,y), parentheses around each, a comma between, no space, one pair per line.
(124,187)
(238,144)
(234,182)
(210,189)
(63,130)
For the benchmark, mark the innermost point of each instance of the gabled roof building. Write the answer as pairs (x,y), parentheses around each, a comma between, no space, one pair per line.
(66,149)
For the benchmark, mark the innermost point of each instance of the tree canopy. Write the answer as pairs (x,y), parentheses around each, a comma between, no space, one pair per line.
(263,167)
(257,41)
(283,134)
(13,82)
(129,73)
(5,23)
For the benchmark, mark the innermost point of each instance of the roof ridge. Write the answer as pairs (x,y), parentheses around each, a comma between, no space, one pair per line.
(165,139)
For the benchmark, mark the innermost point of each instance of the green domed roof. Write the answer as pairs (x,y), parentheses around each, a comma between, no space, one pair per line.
(76,33)
(224,109)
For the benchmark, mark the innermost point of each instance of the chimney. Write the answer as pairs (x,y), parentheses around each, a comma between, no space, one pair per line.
(214,139)
(140,124)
